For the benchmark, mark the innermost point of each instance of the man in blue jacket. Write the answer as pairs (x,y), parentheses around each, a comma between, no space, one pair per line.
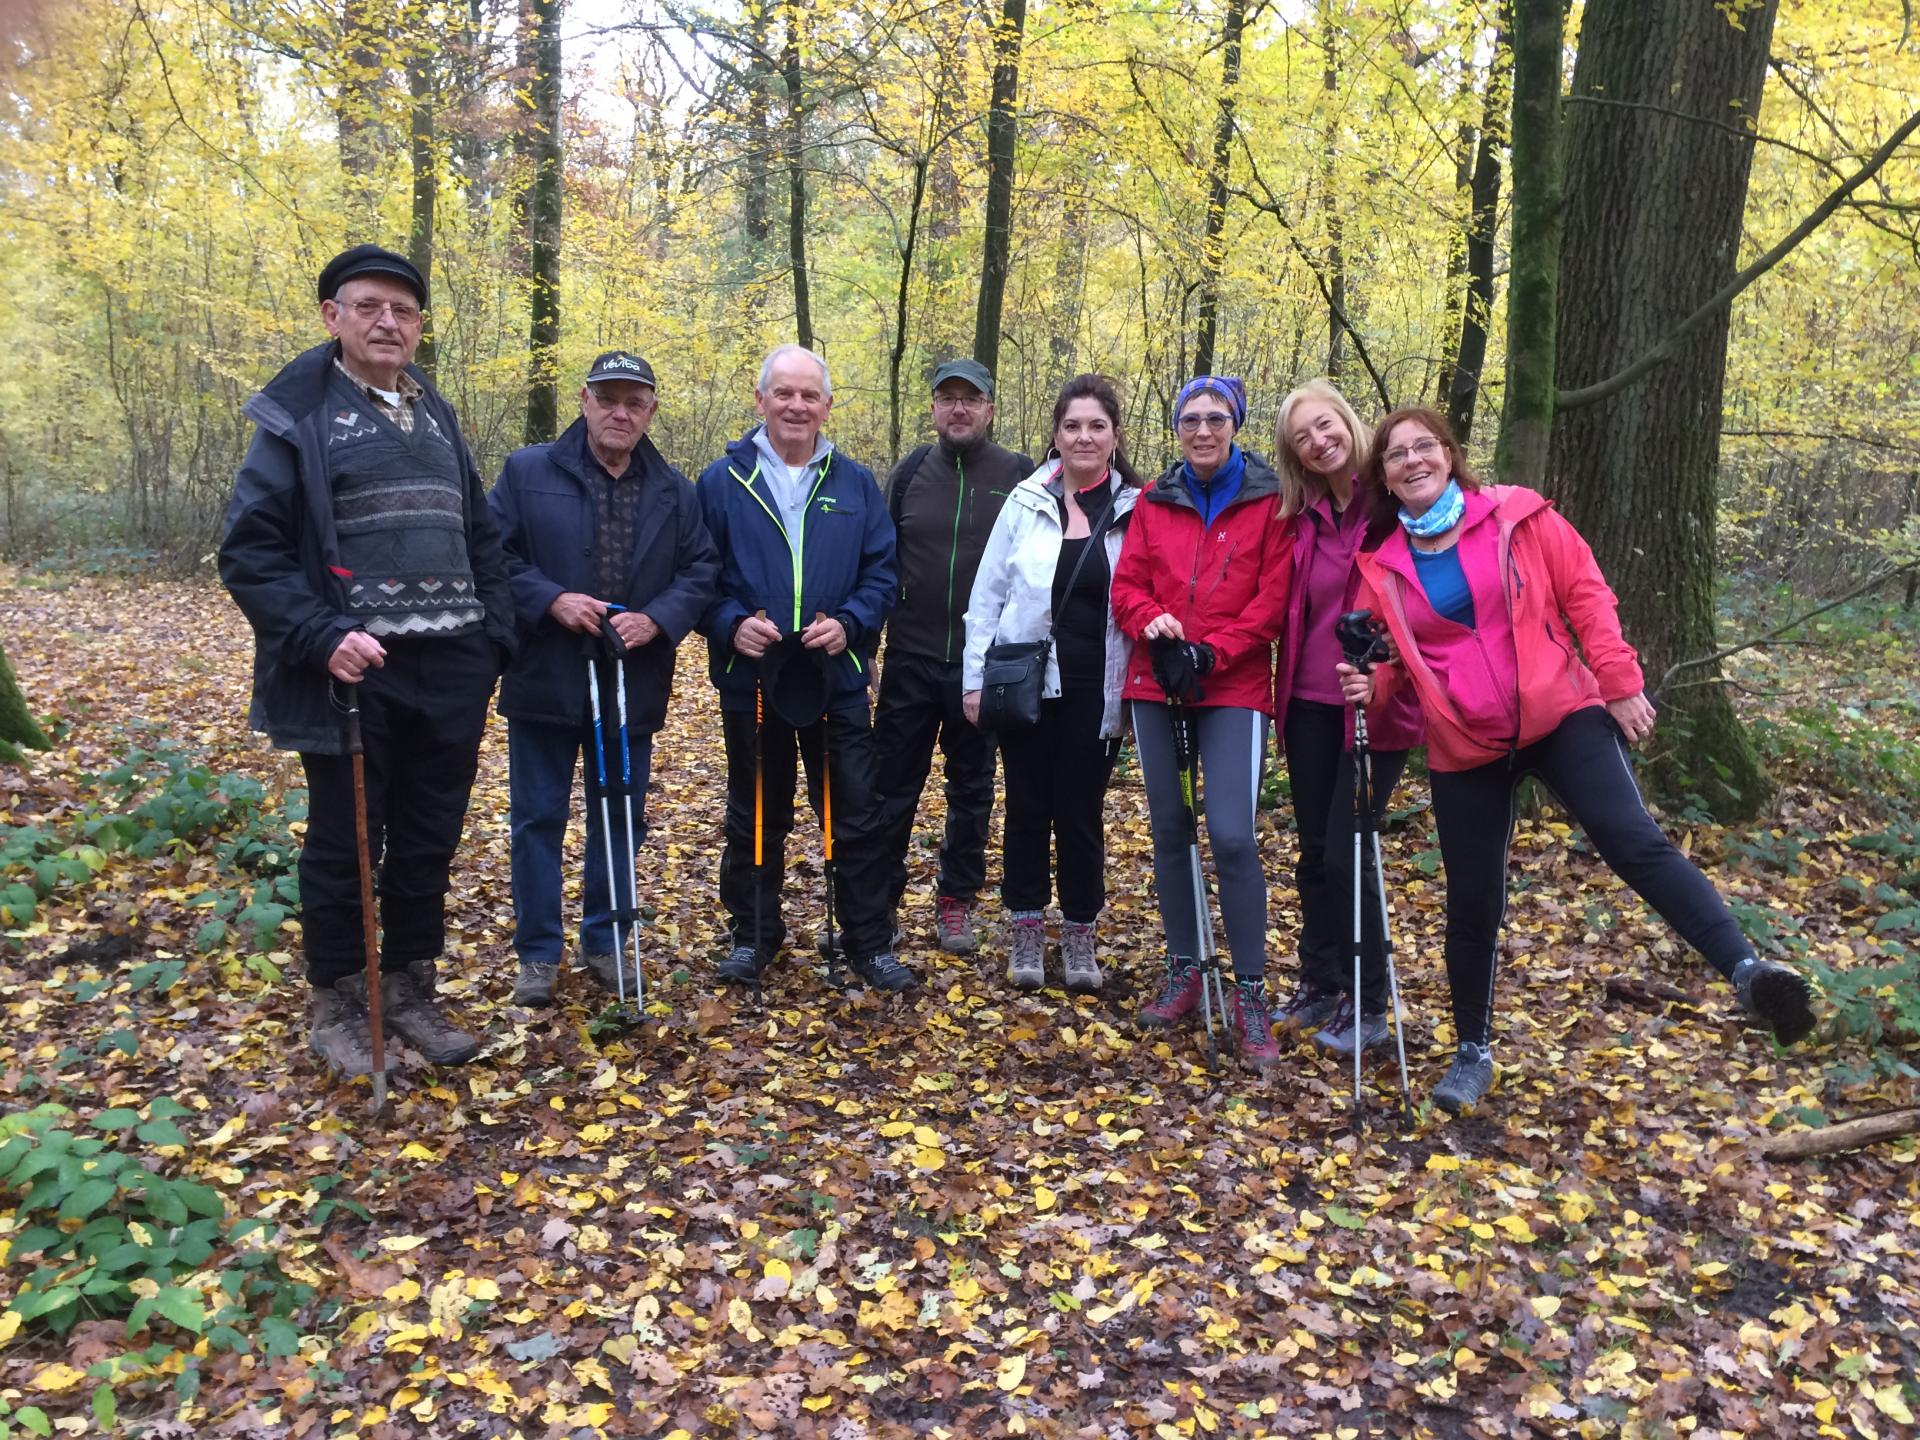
(806,581)
(595,521)
(359,545)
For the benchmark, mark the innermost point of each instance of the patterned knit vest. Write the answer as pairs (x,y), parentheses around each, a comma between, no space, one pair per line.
(399,508)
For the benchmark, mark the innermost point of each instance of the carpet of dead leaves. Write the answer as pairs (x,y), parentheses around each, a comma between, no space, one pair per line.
(977,1213)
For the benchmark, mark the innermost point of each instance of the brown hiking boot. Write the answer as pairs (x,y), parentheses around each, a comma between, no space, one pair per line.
(339,1032)
(417,1019)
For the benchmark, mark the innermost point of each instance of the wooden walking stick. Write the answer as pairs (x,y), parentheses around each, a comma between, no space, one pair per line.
(369,930)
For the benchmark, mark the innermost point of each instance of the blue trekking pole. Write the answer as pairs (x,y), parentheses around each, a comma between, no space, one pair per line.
(629,914)
(594,647)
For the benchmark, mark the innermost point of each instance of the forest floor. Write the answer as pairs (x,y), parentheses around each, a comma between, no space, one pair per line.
(974,1213)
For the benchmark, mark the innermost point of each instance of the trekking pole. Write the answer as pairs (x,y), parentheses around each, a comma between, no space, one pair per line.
(826,840)
(1187,757)
(369,931)
(630,913)
(592,646)
(1393,978)
(759,815)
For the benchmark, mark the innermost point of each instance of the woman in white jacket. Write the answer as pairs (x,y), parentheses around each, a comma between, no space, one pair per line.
(1057,772)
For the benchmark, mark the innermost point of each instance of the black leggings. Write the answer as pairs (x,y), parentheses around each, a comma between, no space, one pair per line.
(1057,774)
(1584,762)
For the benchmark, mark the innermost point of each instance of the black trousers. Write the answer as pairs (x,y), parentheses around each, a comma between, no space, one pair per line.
(1057,776)
(421,718)
(1321,773)
(1584,762)
(859,893)
(919,704)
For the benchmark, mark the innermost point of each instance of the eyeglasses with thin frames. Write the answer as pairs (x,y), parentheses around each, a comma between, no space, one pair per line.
(1421,449)
(1215,422)
(369,310)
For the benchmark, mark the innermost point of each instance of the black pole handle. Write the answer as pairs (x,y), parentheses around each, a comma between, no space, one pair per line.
(350,699)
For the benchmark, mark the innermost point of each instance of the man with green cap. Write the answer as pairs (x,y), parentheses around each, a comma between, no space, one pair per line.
(944,498)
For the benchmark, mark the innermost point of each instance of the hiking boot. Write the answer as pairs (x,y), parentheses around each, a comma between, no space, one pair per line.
(340,1032)
(1076,955)
(534,984)
(741,967)
(605,969)
(1337,1034)
(1181,997)
(426,975)
(1027,953)
(1308,1008)
(954,920)
(1250,1024)
(416,1018)
(883,972)
(1776,995)
(1467,1081)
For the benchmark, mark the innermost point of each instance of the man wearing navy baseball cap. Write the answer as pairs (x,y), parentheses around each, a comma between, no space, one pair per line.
(359,545)
(595,522)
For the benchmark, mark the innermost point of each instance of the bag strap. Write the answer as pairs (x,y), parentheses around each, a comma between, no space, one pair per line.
(1095,534)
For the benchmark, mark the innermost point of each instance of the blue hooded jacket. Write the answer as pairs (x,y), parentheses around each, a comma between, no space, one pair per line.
(842,566)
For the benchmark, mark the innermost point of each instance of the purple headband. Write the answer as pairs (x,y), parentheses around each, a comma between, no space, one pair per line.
(1230,388)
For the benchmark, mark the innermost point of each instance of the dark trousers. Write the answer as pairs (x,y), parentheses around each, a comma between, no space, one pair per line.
(859,891)
(1584,762)
(1320,772)
(919,704)
(1057,775)
(421,718)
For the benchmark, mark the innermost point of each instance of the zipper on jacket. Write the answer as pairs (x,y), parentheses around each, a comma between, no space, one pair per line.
(953,551)
(792,549)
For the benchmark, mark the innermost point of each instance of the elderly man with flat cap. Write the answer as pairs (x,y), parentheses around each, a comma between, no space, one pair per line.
(596,524)
(359,546)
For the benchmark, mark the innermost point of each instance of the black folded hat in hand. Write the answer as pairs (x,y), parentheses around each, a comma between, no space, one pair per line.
(796,681)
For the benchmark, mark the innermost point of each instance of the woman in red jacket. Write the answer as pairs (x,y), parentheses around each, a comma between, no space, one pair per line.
(1204,573)
(1322,453)
(1485,591)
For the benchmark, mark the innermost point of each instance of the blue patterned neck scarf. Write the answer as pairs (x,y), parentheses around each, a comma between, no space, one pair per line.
(1441,516)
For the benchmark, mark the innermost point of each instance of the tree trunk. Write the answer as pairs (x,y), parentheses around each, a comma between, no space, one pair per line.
(790,65)
(426,173)
(897,352)
(356,117)
(1002,131)
(1470,358)
(1213,249)
(543,225)
(757,208)
(1336,239)
(1653,229)
(1534,247)
(1451,318)
(17,726)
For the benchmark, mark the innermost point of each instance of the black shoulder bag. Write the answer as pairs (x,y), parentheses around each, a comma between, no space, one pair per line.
(1015,673)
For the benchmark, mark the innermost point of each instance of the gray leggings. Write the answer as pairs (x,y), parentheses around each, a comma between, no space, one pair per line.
(1232,741)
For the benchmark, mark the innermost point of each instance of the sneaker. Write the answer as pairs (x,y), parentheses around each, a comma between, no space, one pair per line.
(1076,955)
(1337,1034)
(1777,995)
(604,967)
(340,1032)
(1181,997)
(741,967)
(954,920)
(883,972)
(1250,1024)
(1308,1008)
(534,984)
(415,1016)
(1027,953)
(1467,1081)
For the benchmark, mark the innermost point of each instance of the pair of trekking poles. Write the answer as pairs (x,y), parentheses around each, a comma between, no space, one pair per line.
(605,648)
(1363,643)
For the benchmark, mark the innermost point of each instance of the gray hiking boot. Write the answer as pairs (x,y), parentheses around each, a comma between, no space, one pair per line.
(604,968)
(954,920)
(426,975)
(534,985)
(1337,1034)
(1776,995)
(340,1032)
(1027,953)
(1076,955)
(1308,1008)
(417,1019)
(1468,1080)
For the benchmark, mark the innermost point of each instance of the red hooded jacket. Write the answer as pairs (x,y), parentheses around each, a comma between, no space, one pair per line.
(1513,678)
(1226,583)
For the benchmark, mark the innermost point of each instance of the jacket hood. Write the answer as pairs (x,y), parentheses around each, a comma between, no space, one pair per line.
(745,455)
(1041,491)
(1171,488)
(301,388)
(569,450)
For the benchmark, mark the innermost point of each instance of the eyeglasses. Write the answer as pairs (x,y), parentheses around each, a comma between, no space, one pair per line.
(369,310)
(1216,421)
(961,402)
(1420,449)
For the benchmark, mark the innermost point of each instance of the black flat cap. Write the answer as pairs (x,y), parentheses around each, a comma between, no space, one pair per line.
(370,260)
(795,680)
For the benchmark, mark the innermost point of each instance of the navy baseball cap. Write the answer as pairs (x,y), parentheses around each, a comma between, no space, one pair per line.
(620,365)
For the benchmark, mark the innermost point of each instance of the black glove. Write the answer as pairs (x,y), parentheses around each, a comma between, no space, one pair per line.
(1178,666)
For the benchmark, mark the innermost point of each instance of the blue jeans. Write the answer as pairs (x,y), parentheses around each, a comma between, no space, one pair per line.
(540,762)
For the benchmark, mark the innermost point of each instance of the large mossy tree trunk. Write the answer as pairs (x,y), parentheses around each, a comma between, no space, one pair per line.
(543,225)
(18,729)
(1654,202)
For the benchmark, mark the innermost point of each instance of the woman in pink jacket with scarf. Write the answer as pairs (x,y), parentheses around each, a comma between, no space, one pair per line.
(1484,590)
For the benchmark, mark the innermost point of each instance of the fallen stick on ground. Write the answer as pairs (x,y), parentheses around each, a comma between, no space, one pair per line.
(1847,1135)
(1649,993)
